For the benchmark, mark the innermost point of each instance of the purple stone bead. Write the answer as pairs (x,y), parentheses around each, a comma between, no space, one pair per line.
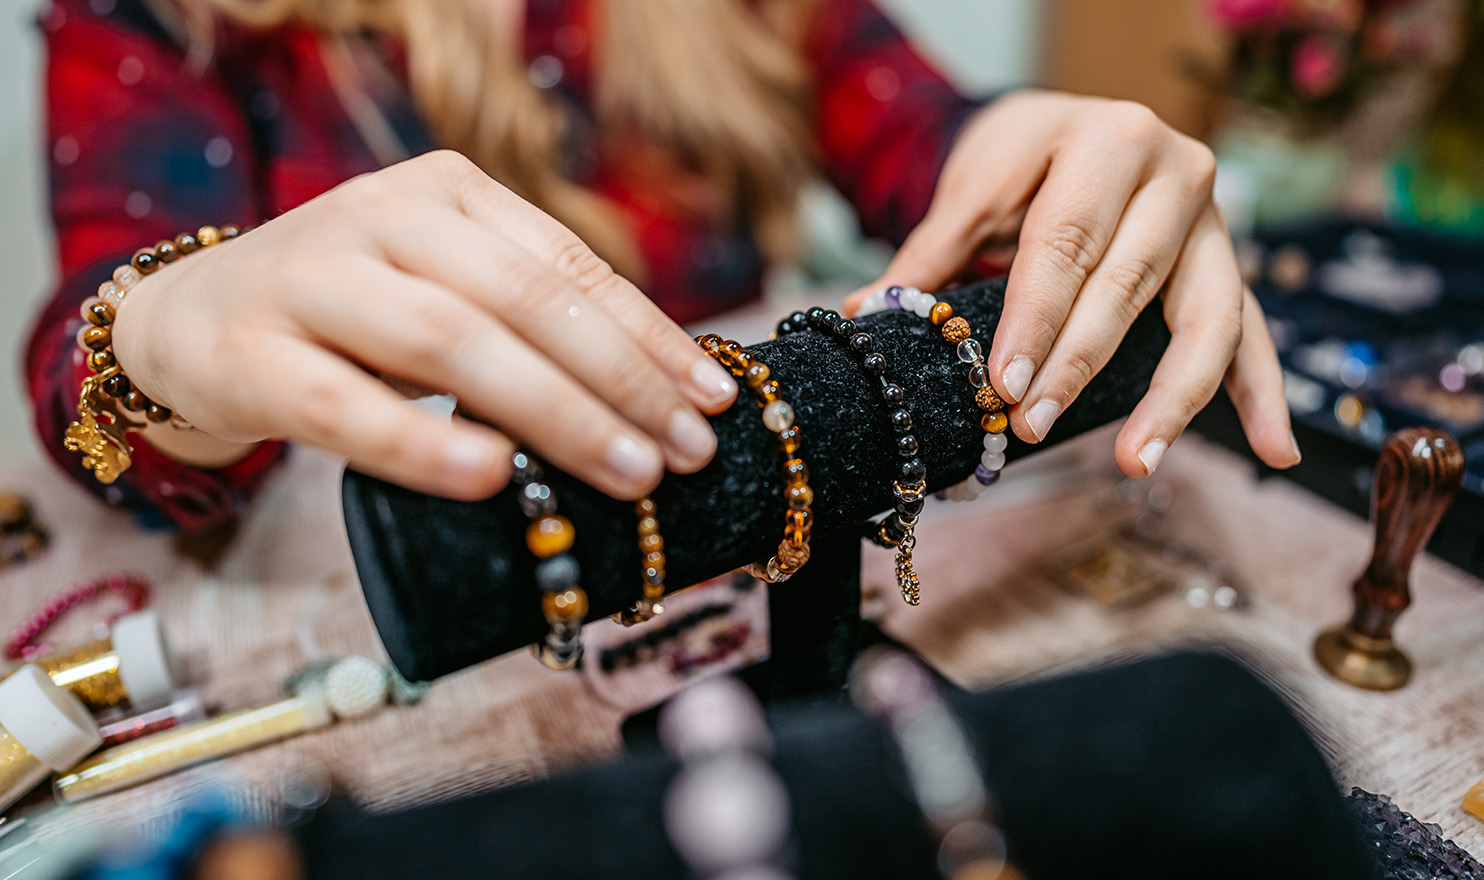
(941,495)
(894,297)
(985,476)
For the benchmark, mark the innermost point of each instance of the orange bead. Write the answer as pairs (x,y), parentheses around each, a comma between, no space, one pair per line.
(799,496)
(550,535)
(644,506)
(767,392)
(648,525)
(994,422)
(956,330)
(800,522)
(940,313)
(757,374)
(654,559)
(208,235)
(789,440)
(652,543)
(566,606)
(988,399)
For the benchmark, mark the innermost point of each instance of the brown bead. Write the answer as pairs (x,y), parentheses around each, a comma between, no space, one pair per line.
(655,559)
(710,342)
(550,535)
(652,543)
(757,374)
(99,361)
(789,440)
(796,471)
(99,314)
(566,606)
(156,413)
(644,506)
(956,330)
(166,251)
(135,401)
(187,243)
(988,399)
(799,496)
(117,386)
(231,231)
(791,557)
(800,522)
(145,261)
(994,422)
(767,392)
(208,235)
(746,359)
(940,313)
(732,349)
(648,525)
(95,338)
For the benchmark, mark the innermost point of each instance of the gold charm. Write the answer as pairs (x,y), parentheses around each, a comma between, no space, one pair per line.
(103,444)
(906,577)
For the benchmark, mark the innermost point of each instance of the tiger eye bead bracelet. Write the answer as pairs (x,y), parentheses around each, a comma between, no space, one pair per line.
(651,566)
(955,331)
(910,484)
(550,537)
(106,450)
(778,417)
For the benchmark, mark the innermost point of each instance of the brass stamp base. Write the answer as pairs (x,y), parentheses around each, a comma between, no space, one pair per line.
(1373,664)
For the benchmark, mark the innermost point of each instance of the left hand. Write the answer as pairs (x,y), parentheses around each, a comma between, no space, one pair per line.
(1109,205)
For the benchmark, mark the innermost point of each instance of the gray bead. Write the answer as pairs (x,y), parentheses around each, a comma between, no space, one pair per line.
(558,573)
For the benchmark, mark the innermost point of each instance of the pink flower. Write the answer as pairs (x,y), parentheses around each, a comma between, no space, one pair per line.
(1317,67)
(1243,15)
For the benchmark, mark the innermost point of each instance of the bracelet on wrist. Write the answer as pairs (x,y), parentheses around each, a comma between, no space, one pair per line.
(100,432)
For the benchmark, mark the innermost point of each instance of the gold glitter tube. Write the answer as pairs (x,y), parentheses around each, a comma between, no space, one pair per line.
(154,756)
(42,728)
(90,671)
(134,665)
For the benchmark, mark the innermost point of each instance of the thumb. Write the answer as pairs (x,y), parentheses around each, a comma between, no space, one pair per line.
(940,248)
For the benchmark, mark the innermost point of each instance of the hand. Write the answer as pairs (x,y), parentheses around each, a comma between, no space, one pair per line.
(1108,205)
(431,273)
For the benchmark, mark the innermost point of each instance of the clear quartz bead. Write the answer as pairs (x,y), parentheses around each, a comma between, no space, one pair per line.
(995,443)
(979,375)
(126,276)
(992,460)
(778,416)
(970,351)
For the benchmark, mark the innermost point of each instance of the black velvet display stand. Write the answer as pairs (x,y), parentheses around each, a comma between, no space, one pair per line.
(450,584)
(1181,767)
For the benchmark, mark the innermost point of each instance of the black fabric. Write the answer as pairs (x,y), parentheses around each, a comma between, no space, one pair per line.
(450,583)
(1176,767)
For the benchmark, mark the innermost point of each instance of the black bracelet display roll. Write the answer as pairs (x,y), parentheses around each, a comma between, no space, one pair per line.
(449,583)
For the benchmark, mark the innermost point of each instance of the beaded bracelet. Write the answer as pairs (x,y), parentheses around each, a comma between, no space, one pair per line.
(652,566)
(100,432)
(778,417)
(549,537)
(895,529)
(955,331)
(895,689)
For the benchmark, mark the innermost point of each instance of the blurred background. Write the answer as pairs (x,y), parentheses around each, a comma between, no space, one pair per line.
(1367,107)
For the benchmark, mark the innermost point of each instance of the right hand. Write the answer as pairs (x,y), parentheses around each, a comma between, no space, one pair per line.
(431,273)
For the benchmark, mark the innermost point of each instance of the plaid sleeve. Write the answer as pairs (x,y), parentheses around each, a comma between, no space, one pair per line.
(886,118)
(141,147)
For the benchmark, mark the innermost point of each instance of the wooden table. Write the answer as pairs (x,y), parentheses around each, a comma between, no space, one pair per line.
(286,589)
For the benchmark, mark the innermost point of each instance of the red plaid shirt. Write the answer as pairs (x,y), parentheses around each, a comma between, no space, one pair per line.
(141,148)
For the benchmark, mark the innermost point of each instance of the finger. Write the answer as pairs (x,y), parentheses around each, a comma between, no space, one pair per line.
(392,321)
(1255,384)
(1203,307)
(699,377)
(321,400)
(555,319)
(1143,251)
(1067,230)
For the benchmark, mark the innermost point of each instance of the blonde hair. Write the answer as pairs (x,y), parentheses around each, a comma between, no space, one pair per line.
(718,88)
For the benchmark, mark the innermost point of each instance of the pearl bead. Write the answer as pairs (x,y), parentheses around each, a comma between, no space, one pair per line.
(778,416)
(970,350)
(995,442)
(992,460)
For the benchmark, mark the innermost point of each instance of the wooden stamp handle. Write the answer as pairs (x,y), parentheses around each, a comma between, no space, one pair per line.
(1417,476)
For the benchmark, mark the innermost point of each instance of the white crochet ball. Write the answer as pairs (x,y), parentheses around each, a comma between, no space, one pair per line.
(355,686)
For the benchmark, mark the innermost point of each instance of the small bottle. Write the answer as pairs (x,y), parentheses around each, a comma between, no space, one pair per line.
(185,707)
(43,728)
(133,665)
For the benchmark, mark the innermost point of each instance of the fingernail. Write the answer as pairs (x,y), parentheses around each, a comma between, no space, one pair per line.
(633,462)
(1298,454)
(1150,455)
(1041,416)
(467,458)
(712,383)
(1018,377)
(690,436)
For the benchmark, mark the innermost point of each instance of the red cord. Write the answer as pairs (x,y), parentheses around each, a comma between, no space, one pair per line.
(133,589)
